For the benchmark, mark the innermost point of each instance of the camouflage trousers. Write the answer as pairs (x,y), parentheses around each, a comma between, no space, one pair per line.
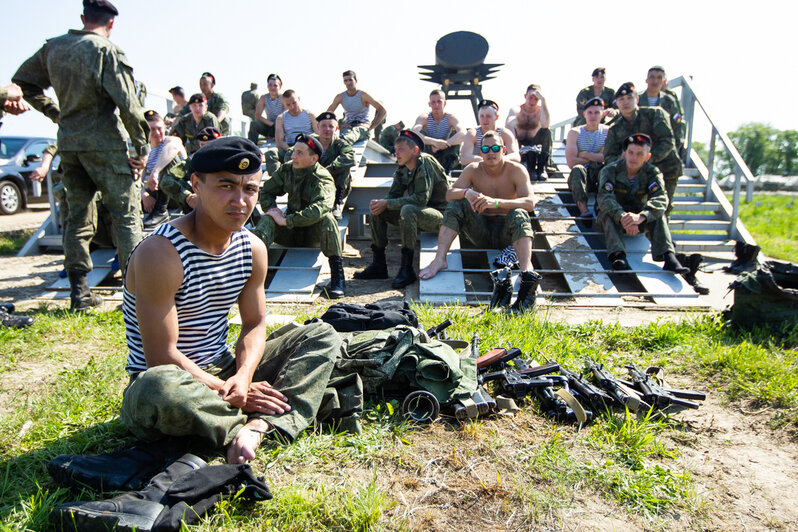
(176,189)
(168,401)
(274,158)
(343,183)
(583,180)
(670,189)
(85,173)
(489,232)
(656,231)
(355,134)
(410,219)
(323,234)
(258,129)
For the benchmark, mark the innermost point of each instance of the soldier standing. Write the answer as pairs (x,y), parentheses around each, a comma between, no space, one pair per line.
(92,79)
(249,102)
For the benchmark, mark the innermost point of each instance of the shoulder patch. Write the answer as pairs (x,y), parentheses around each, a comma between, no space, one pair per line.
(609,187)
(653,187)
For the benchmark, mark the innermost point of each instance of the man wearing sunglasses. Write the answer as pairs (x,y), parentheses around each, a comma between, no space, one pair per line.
(632,200)
(217,104)
(488,114)
(489,206)
(596,90)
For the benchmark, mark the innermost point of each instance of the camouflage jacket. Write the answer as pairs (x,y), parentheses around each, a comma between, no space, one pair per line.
(388,136)
(339,158)
(586,94)
(187,129)
(653,122)
(249,100)
(311,193)
(425,186)
(92,78)
(674,110)
(644,194)
(176,181)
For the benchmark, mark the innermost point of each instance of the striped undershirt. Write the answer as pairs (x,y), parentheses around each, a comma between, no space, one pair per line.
(591,141)
(273,107)
(211,285)
(155,153)
(478,142)
(438,130)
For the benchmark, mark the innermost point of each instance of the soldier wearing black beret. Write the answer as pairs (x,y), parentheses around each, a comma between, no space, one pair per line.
(596,90)
(338,158)
(188,126)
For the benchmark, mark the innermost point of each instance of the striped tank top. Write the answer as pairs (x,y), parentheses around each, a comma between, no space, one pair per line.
(211,285)
(273,107)
(294,125)
(591,141)
(155,153)
(478,142)
(438,130)
(354,110)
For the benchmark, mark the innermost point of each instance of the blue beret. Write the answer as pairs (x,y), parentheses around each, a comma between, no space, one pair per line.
(236,155)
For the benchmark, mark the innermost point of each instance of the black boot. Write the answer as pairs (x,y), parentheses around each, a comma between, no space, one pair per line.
(406,273)
(378,269)
(618,261)
(7,319)
(136,510)
(502,288)
(673,265)
(337,287)
(526,292)
(692,263)
(540,166)
(159,213)
(530,160)
(80,295)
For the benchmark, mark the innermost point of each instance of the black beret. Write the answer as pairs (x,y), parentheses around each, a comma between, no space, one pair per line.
(208,133)
(413,136)
(326,115)
(274,76)
(311,143)
(178,89)
(640,139)
(488,103)
(197,98)
(626,88)
(594,101)
(236,155)
(101,5)
(599,70)
(209,75)
(152,115)
(657,67)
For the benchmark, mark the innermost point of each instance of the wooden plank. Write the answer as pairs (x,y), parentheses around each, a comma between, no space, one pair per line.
(448,287)
(659,281)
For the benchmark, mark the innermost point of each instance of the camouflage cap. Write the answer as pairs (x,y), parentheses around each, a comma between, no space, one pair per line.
(599,70)
(413,136)
(101,5)
(311,143)
(208,133)
(594,101)
(236,155)
(488,103)
(151,115)
(626,88)
(639,139)
(326,115)
(197,98)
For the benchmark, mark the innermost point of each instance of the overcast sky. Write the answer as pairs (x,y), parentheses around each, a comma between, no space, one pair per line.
(740,54)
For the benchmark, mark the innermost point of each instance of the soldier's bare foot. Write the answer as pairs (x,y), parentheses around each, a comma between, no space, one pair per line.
(242,449)
(432,270)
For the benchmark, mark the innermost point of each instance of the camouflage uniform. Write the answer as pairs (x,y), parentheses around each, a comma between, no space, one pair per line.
(674,110)
(491,232)
(309,219)
(653,122)
(249,101)
(339,159)
(644,194)
(416,201)
(355,134)
(167,401)
(216,104)
(388,136)
(176,182)
(584,179)
(585,95)
(92,80)
(187,129)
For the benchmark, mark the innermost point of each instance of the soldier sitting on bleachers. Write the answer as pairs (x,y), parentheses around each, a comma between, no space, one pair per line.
(187,126)
(596,90)
(357,104)
(655,96)
(165,151)
(584,153)
(441,132)
(308,220)
(293,121)
(489,206)
(338,158)
(415,202)
(487,114)
(631,200)
(389,135)
(530,122)
(175,179)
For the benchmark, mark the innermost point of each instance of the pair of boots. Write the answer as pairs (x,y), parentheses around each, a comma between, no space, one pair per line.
(535,161)
(692,262)
(8,319)
(159,213)
(503,291)
(81,298)
(671,264)
(337,287)
(378,269)
(745,258)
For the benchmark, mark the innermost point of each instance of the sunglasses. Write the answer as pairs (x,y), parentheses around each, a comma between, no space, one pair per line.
(495,148)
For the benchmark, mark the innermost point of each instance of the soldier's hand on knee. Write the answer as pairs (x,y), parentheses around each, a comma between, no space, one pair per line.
(377,206)
(480,202)
(277,215)
(235,390)
(264,399)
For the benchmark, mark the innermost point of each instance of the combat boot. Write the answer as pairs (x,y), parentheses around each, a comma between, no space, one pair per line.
(692,262)
(80,295)
(337,287)
(137,510)
(406,273)
(619,263)
(378,269)
(502,288)
(673,265)
(10,320)
(526,292)
(159,213)
(540,166)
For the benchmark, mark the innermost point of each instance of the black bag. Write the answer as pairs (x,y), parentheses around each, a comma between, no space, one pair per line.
(346,317)
(767,296)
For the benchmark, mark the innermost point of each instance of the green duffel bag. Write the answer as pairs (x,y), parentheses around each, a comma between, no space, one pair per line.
(767,296)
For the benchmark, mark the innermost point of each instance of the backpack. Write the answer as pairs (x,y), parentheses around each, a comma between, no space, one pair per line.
(766,297)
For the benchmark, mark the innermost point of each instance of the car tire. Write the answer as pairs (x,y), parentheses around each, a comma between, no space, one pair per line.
(10,198)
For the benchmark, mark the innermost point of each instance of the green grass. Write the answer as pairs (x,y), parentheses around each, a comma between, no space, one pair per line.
(65,375)
(12,241)
(772,219)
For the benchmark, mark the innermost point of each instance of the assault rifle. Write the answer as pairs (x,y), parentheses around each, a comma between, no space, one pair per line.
(598,399)
(667,400)
(437,331)
(621,394)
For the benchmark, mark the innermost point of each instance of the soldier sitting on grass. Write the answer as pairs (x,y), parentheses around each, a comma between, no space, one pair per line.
(632,200)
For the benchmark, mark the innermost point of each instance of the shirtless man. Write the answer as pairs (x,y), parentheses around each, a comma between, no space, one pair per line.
(488,115)
(530,122)
(272,104)
(186,384)
(489,206)
(440,131)
(356,104)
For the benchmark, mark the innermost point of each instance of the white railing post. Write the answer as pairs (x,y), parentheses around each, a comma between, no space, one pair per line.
(710,165)
(733,233)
